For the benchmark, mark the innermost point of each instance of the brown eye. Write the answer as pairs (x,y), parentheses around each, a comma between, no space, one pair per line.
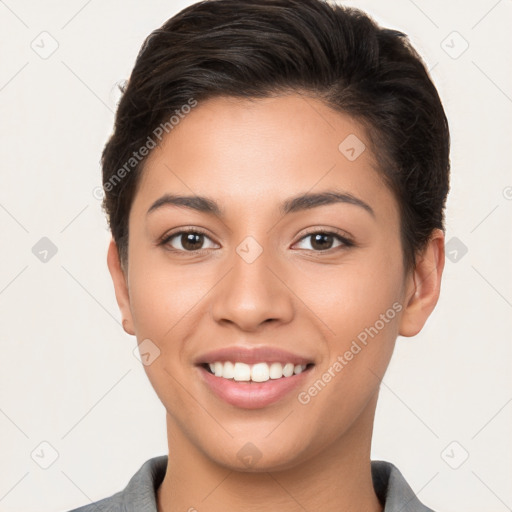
(325,240)
(321,241)
(187,241)
(191,241)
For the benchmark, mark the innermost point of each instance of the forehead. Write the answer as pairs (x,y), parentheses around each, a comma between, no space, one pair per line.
(256,151)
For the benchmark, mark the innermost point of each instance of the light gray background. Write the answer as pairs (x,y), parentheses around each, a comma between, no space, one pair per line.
(68,374)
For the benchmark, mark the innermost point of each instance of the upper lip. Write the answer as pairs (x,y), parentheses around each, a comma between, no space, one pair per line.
(252,355)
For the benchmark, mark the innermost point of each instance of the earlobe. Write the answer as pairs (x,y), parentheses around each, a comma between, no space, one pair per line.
(120,286)
(424,286)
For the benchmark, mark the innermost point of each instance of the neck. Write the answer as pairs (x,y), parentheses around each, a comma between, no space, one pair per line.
(337,478)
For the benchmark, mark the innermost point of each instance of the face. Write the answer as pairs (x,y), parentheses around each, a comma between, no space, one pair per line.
(255,265)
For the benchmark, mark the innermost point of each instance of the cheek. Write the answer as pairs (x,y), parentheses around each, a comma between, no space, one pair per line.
(372,305)
(162,303)
(161,296)
(363,316)
(361,305)
(353,296)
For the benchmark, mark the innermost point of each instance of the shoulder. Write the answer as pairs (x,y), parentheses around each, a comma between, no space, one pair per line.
(139,493)
(393,490)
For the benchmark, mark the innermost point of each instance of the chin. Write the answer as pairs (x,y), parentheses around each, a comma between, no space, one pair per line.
(251,459)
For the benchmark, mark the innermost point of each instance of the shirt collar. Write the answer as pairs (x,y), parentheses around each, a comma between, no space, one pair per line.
(390,486)
(393,491)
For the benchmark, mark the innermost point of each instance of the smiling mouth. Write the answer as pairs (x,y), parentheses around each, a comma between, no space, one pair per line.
(258,372)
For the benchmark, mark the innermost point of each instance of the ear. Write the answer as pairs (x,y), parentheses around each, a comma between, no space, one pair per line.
(120,286)
(423,286)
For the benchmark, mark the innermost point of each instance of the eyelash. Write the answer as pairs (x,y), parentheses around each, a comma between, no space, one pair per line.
(346,242)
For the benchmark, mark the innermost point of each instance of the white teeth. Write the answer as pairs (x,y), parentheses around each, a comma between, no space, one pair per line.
(259,372)
(228,370)
(276,371)
(288,369)
(242,371)
(218,369)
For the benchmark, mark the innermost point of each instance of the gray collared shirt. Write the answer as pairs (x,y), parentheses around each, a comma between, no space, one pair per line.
(140,493)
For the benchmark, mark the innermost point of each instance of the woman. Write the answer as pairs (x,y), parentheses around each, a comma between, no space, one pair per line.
(275,186)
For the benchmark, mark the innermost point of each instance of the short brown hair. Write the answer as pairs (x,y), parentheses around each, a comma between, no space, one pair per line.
(261,48)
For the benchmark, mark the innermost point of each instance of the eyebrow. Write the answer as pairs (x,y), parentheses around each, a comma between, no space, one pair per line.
(292,205)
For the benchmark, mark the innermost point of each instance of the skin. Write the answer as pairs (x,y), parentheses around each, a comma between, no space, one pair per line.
(249,156)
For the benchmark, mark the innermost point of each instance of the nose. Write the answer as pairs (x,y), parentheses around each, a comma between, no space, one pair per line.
(253,293)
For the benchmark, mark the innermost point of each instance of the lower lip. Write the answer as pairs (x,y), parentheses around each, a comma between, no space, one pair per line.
(252,395)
